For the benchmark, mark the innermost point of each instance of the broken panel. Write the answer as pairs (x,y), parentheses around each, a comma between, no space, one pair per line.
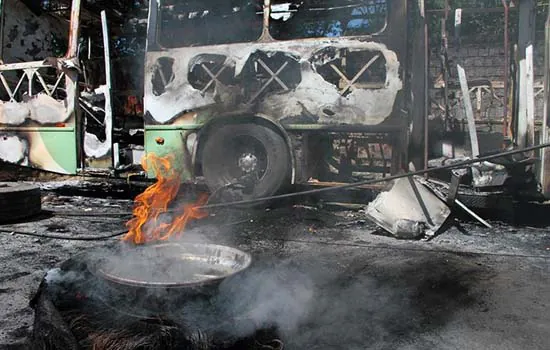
(316,18)
(200,23)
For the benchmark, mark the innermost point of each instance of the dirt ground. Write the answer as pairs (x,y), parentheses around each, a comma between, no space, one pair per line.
(345,285)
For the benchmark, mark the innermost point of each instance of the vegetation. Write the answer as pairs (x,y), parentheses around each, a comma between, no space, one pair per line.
(482,27)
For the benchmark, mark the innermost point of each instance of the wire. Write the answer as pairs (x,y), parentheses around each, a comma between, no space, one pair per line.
(61,237)
(335,188)
(373,181)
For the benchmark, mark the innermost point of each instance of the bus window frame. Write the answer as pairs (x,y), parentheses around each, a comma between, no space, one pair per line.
(373,34)
(153,30)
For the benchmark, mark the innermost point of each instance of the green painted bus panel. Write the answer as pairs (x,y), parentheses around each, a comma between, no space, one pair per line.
(169,142)
(61,146)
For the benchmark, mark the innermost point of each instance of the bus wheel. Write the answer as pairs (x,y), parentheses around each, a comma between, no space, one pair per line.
(246,160)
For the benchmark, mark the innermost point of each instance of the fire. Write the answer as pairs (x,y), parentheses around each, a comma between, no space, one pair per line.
(153,221)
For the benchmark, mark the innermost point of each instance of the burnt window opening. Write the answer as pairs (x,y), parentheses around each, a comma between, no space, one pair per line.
(207,71)
(18,86)
(163,74)
(201,23)
(270,72)
(320,19)
(350,69)
(93,107)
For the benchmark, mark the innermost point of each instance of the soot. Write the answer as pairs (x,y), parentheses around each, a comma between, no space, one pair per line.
(75,309)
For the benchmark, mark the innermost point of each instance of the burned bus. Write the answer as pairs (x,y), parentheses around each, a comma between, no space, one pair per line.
(249,94)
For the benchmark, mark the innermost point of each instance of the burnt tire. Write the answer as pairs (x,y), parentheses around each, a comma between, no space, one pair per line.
(225,148)
(19,201)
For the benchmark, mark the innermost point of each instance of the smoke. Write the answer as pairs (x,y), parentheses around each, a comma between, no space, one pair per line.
(334,298)
(276,296)
(56,276)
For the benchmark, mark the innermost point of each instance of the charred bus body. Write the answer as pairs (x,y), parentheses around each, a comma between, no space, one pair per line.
(247,95)
(262,93)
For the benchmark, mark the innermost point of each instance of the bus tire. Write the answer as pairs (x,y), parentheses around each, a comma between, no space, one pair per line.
(232,150)
(19,201)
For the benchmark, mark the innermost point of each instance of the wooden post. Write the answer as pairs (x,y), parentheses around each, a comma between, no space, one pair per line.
(468,109)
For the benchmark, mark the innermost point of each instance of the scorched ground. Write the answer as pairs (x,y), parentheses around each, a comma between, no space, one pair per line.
(327,279)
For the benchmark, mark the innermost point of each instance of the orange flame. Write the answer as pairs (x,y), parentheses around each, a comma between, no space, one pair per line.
(149,224)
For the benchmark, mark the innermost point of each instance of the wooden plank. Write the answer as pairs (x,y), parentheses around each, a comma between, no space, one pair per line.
(468,110)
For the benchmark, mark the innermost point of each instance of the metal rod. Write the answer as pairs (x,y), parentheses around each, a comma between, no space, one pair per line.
(476,10)
(471,213)
(373,181)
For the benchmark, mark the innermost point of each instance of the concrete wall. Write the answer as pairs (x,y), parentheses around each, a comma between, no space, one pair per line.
(484,61)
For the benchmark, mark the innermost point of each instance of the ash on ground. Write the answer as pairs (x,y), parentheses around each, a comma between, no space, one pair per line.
(327,279)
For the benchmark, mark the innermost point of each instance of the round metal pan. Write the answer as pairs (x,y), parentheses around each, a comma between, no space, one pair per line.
(171,265)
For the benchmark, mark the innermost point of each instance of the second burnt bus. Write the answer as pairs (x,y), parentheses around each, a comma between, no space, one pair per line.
(257,95)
